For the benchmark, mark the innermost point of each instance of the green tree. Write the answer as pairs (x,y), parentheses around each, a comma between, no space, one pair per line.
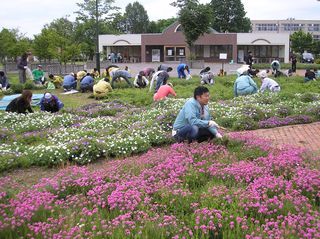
(7,43)
(137,19)
(301,41)
(44,44)
(85,27)
(12,44)
(195,21)
(160,25)
(88,10)
(229,16)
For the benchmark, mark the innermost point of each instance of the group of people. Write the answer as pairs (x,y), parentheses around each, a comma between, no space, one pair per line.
(22,104)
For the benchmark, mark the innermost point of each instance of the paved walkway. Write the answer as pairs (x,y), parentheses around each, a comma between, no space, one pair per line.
(303,135)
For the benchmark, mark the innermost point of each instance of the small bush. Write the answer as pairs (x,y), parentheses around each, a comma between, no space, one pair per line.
(16,88)
(284,111)
(253,112)
(29,85)
(245,123)
(308,97)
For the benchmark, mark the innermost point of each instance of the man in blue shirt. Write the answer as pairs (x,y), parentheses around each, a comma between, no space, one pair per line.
(69,82)
(193,121)
(181,70)
(87,83)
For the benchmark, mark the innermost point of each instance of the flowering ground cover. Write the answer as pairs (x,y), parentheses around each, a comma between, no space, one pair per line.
(238,187)
(115,129)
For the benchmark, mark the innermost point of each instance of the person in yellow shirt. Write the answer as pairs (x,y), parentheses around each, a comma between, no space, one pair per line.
(102,88)
(95,73)
(56,80)
(81,74)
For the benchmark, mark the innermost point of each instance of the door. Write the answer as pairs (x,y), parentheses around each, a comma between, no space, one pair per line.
(155,55)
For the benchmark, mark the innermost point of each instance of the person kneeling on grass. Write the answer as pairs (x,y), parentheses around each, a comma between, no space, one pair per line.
(164,91)
(206,76)
(244,85)
(309,76)
(140,80)
(193,121)
(69,82)
(21,104)
(268,83)
(38,75)
(50,103)
(102,88)
(86,84)
(56,80)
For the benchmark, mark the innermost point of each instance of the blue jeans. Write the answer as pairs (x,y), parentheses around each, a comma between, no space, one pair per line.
(193,132)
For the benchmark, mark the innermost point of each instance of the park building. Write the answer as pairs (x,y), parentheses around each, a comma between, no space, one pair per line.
(289,25)
(171,46)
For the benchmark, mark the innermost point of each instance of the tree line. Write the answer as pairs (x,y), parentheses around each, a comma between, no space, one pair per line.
(66,40)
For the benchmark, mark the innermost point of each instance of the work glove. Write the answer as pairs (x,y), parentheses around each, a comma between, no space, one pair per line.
(189,77)
(213,124)
(25,67)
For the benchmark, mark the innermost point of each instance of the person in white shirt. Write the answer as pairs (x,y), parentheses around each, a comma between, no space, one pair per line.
(268,83)
(140,80)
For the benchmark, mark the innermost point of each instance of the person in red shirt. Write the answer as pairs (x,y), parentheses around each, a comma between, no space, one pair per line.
(164,91)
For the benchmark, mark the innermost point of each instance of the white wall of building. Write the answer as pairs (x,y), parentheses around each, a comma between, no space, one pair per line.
(119,40)
(276,39)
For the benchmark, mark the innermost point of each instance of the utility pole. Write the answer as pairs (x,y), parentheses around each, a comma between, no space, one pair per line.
(97,39)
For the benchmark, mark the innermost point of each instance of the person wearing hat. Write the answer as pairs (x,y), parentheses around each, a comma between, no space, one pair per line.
(38,75)
(69,82)
(50,103)
(268,83)
(244,85)
(206,76)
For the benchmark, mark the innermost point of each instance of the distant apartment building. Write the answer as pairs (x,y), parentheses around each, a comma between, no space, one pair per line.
(290,25)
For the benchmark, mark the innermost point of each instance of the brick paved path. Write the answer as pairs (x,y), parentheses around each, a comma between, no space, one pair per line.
(303,135)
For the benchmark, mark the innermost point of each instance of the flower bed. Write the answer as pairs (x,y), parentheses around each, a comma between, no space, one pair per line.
(236,188)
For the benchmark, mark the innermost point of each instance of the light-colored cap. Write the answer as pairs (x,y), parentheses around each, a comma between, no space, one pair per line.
(47,96)
(242,69)
(263,74)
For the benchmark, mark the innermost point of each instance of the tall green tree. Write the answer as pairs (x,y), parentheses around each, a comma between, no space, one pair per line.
(301,41)
(229,16)
(12,44)
(137,19)
(44,44)
(85,28)
(195,21)
(87,10)
(7,43)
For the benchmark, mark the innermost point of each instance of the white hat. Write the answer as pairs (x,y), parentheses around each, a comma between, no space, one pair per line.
(243,69)
(47,96)
(263,74)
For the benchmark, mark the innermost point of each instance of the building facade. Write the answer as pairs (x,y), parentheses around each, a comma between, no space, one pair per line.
(170,46)
(287,26)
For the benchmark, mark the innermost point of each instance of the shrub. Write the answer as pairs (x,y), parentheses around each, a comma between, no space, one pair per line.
(29,85)
(308,97)
(245,123)
(253,112)
(284,110)
(314,111)
(16,88)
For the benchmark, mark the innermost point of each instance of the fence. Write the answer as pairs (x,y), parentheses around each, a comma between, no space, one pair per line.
(50,68)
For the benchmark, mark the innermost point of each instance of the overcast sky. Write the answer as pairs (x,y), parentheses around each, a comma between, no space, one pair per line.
(30,16)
